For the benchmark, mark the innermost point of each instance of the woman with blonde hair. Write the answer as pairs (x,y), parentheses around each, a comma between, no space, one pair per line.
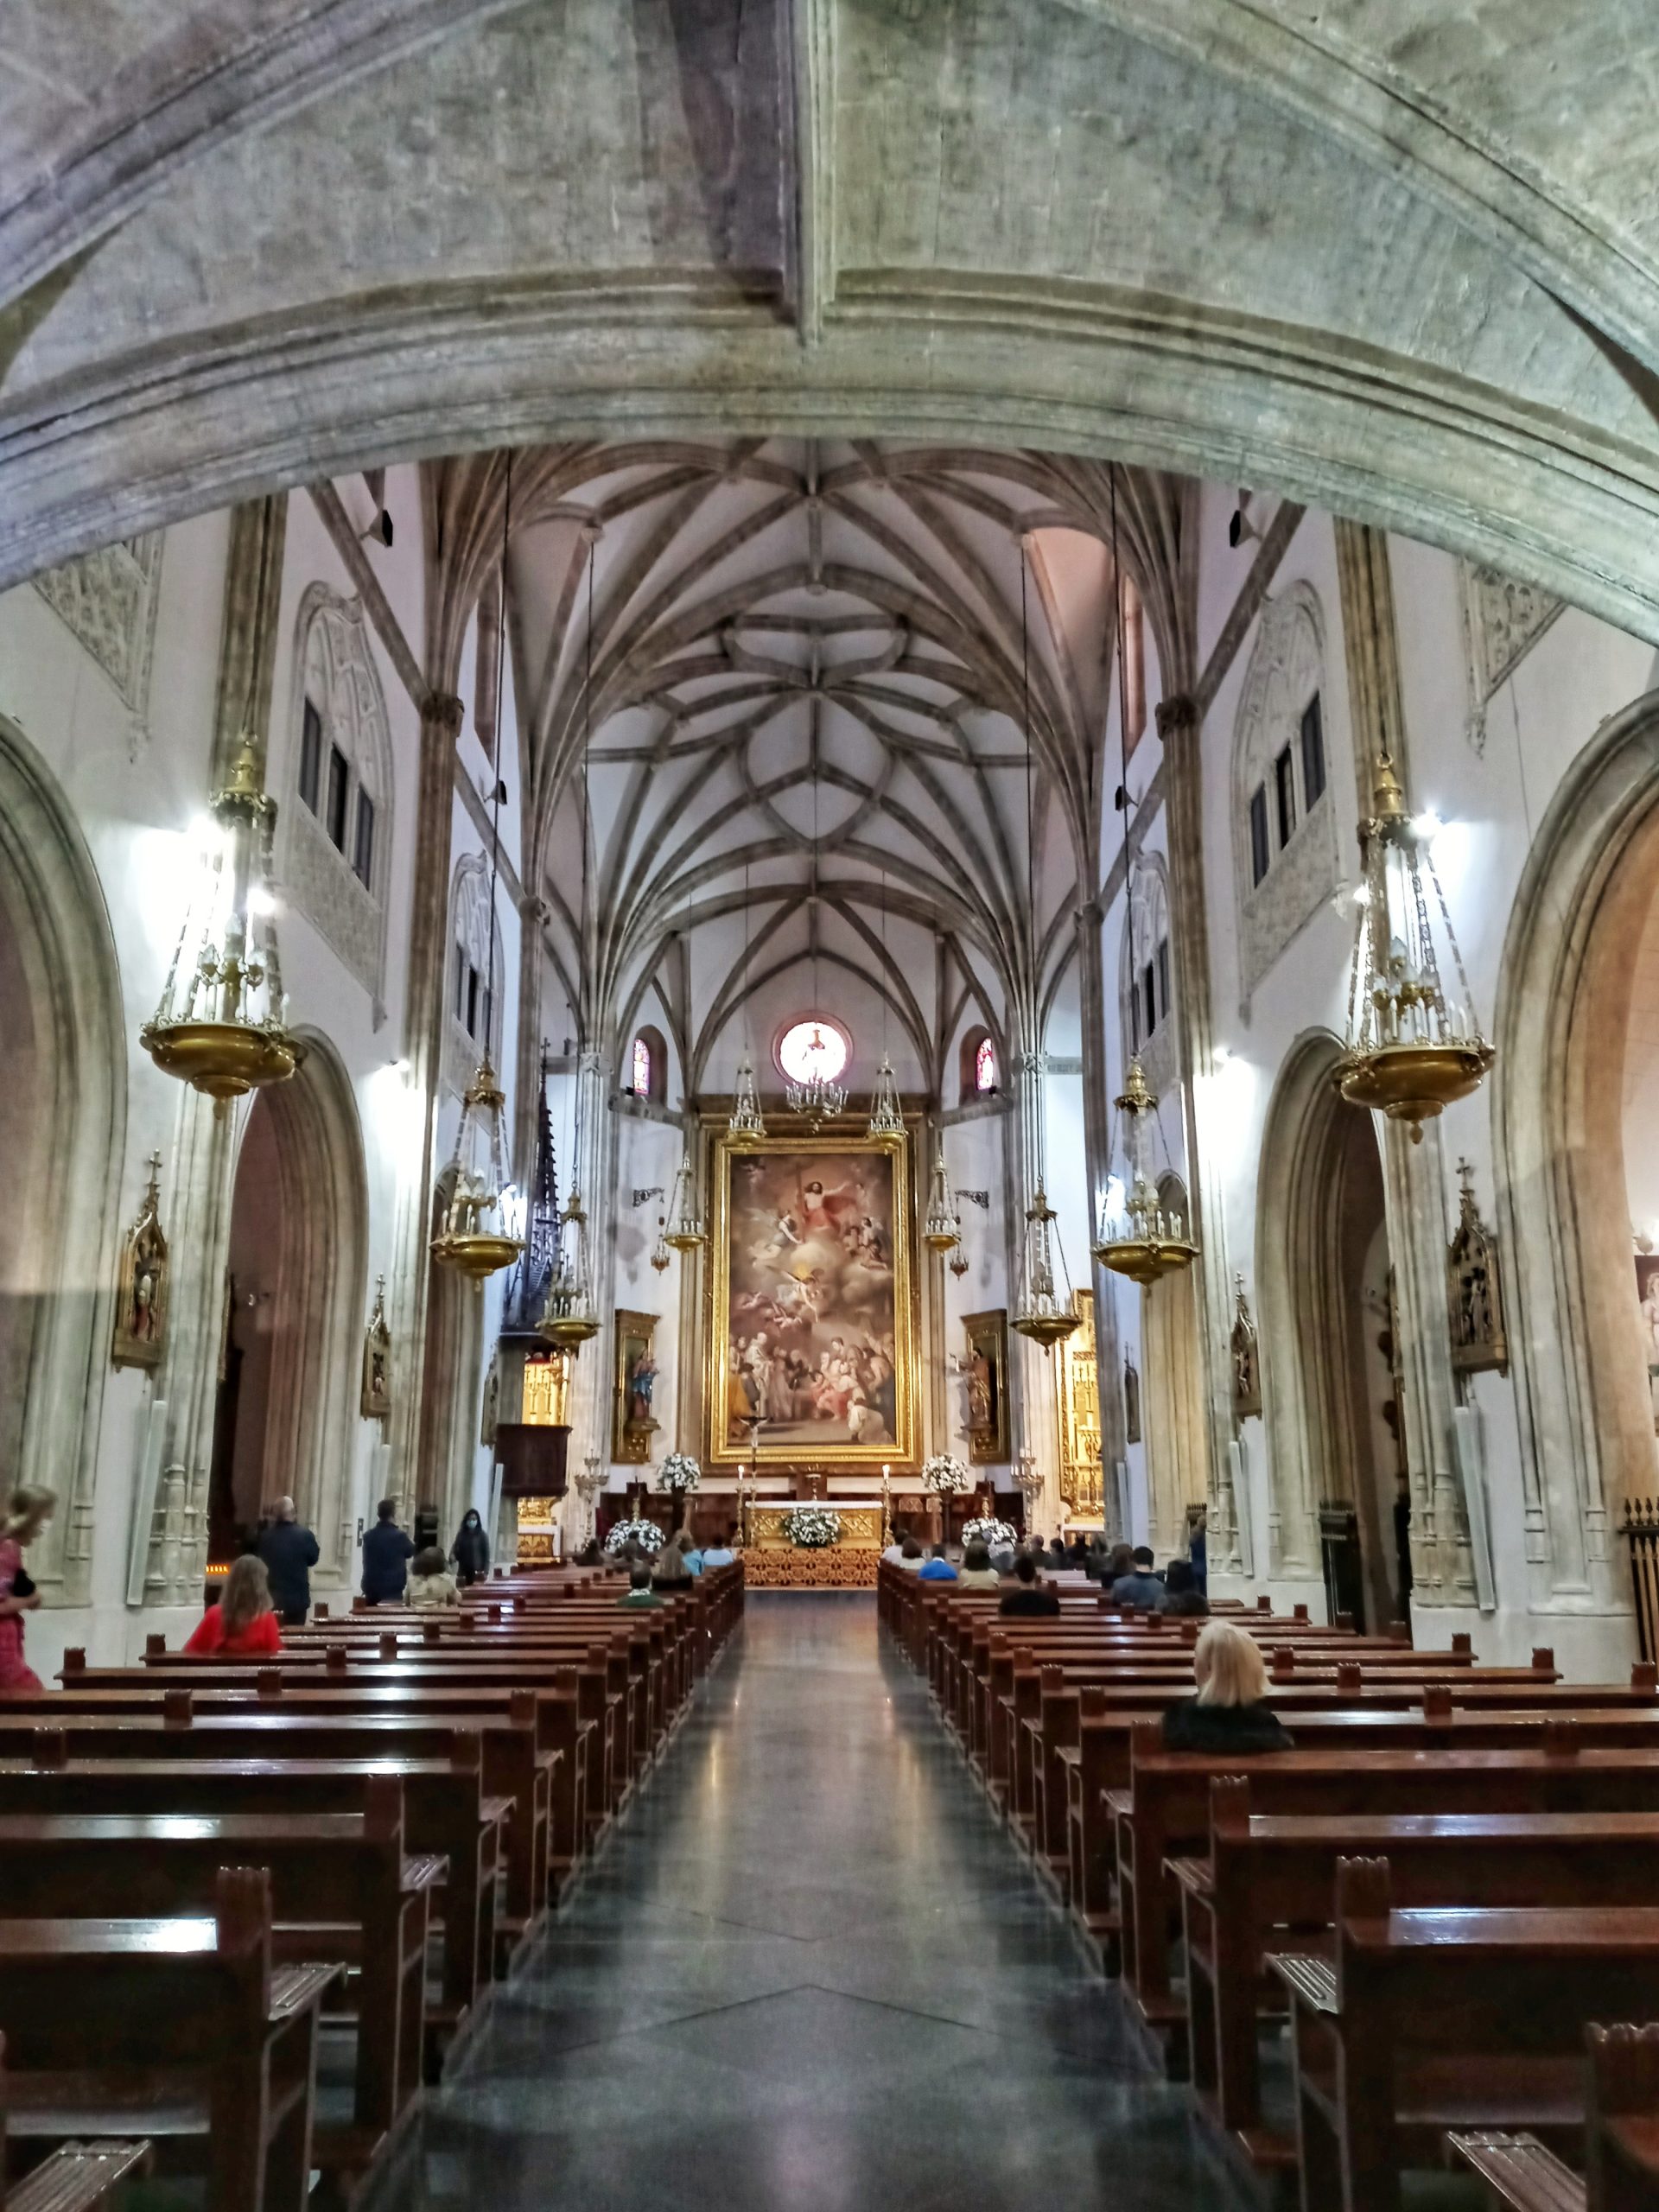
(1229,1713)
(27,1515)
(242,1623)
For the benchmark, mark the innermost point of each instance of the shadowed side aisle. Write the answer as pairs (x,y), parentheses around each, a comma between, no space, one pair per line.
(811,1972)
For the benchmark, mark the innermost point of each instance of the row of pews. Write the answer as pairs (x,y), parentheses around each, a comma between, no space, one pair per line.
(249,1908)
(1429,1903)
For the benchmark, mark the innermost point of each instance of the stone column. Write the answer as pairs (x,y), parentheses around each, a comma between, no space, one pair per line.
(1097,1153)
(527,1085)
(595,1172)
(1414,1175)
(204,1153)
(423,1019)
(1189,933)
(1039,1409)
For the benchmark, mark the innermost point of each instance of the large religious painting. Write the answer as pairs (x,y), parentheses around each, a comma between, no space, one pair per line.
(811,1338)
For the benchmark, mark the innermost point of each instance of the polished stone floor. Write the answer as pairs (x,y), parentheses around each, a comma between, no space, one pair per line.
(811,1974)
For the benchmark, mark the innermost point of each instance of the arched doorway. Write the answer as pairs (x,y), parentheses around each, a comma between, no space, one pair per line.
(1574,1083)
(298,1264)
(63,1121)
(1330,1395)
(1177,1457)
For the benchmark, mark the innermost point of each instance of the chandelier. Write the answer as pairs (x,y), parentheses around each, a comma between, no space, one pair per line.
(746,1120)
(1144,1239)
(684,1229)
(1410,1051)
(476,1238)
(886,1113)
(1041,1315)
(220,1025)
(568,1318)
(941,1227)
(815,1096)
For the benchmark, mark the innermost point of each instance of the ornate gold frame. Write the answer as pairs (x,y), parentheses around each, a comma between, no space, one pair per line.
(721,1148)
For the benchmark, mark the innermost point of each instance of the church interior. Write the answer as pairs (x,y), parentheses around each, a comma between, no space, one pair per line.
(832,983)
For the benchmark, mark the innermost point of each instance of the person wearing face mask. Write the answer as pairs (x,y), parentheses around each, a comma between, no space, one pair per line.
(471,1550)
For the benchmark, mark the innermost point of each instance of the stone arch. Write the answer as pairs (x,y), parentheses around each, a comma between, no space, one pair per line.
(1582,1407)
(66,1133)
(1177,1452)
(1320,1209)
(300,1163)
(1284,680)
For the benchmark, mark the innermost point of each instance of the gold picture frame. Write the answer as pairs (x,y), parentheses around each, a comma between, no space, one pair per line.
(985,1376)
(827,1262)
(633,1422)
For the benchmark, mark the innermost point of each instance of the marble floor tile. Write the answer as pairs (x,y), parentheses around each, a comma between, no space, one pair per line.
(810,1974)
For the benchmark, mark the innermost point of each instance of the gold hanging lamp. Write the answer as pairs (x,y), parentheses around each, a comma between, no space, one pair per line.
(1411,1052)
(1145,1240)
(684,1232)
(567,1319)
(941,1225)
(1042,1315)
(221,1024)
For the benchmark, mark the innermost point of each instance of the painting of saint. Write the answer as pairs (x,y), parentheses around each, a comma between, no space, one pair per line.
(812,1311)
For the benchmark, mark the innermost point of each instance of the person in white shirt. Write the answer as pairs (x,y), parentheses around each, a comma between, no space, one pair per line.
(893,1555)
(719,1554)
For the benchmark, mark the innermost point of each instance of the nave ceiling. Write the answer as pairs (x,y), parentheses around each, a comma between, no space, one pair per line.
(1400,259)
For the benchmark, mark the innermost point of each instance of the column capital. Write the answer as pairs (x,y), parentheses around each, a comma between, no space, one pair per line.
(443,711)
(1176,715)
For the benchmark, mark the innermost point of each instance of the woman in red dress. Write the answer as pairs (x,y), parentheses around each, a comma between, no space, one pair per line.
(29,1513)
(242,1622)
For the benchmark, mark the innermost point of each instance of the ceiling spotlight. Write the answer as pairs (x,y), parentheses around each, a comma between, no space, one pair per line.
(1241,529)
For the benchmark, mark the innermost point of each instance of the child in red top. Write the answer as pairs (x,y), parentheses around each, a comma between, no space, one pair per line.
(242,1622)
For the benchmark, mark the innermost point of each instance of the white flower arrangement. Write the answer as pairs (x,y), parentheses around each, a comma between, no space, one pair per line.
(989,1532)
(645,1534)
(945,1476)
(812,1526)
(679,1472)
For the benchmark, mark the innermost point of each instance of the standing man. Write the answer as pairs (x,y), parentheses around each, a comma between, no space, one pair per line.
(386,1553)
(290,1552)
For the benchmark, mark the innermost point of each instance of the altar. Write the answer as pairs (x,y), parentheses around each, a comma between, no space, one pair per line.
(773,1560)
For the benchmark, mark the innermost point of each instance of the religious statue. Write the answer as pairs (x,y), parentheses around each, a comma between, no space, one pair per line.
(1247,1367)
(1474,1292)
(1131,1402)
(633,1420)
(141,1311)
(375,1400)
(641,1382)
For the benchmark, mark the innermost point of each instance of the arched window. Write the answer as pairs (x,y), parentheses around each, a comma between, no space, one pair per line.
(475,995)
(1286,855)
(648,1066)
(338,852)
(976,1076)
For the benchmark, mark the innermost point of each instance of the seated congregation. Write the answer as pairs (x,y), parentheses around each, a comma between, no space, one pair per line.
(1386,1911)
(255,1893)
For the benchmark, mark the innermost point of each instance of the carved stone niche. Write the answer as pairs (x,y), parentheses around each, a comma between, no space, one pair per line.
(1474,1289)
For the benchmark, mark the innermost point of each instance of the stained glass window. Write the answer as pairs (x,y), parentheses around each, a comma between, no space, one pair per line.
(809,1048)
(641,1068)
(985,1065)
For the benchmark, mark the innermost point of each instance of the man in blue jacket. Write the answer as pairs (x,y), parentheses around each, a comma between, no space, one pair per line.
(290,1552)
(938,1569)
(386,1553)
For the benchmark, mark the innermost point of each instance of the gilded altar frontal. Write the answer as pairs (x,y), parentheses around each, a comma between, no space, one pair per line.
(810,1326)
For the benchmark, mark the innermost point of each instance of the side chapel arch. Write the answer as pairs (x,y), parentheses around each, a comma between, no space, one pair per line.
(65,1122)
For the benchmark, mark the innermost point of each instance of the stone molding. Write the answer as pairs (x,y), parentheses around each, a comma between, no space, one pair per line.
(107,601)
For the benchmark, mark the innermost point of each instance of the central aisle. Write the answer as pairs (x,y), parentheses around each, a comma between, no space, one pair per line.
(811,1974)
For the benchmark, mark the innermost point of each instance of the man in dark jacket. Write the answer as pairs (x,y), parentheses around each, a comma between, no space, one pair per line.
(386,1553)
(290,1552)
(1029,1596)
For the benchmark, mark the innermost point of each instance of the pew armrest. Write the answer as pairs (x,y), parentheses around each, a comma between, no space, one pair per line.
(1192,1874)
(296,1989)
(79,2177)
(1519,2172)
(427,1870)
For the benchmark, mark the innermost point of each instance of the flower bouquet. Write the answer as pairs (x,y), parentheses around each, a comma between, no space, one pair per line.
(645,1534)
(988,1532)
(811,1526)
(945,1476)
(679,1472)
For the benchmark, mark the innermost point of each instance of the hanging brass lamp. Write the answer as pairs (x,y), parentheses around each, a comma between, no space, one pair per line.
(476,1238)
(941,1226)
(886,1109)
(684,1231)
(1411,1051)
(746,1120)
(221,1025)
(1041,1316)
(1144,1239)
(568,1320)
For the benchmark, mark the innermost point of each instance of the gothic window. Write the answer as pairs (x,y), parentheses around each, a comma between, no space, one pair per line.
(474,997)
(336,852)
(648,1066)
(976,1066)
(1285,852)
(641,1085)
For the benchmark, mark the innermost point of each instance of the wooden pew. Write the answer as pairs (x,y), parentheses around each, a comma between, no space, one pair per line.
(1439,2020)
(1266,1874)
(446,1815)
(76,2178)
(343,1890)
(188,2023)
(1622,2137)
